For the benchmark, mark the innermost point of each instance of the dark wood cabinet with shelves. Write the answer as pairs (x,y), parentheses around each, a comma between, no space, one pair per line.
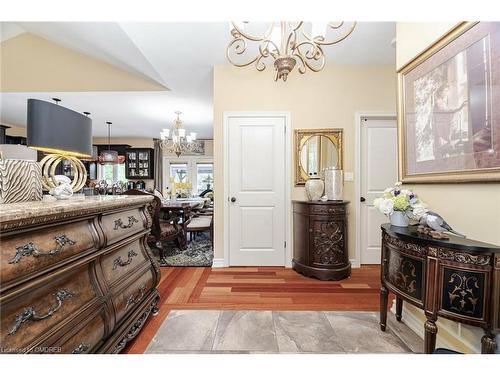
(139,163)
(320,239)
(457,279)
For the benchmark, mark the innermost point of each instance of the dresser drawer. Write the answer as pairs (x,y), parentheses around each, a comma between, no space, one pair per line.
(86,337)
(34,252)
(128,298)
(123,224)
(326,210)
(123,260)
(30,314)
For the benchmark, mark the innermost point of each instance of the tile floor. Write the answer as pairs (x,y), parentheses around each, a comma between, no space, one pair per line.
(214,331)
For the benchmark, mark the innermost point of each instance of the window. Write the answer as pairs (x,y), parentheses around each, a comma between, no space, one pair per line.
(197,172)
(179,172)
(204,176)
(111,172)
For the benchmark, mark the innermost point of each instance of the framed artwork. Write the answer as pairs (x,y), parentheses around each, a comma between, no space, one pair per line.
(449,108)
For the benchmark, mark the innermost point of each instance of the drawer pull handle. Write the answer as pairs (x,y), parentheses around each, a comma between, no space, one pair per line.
(118,262)
(29,313)
(31,249)
(80,349)
(119,223)
(131,300)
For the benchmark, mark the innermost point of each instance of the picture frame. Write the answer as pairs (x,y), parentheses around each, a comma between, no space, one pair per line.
(448,124)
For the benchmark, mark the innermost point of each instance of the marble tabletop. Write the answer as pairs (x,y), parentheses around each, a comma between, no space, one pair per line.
(24,210)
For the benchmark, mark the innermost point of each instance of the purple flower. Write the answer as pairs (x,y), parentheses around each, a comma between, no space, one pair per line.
(411,196)
(396,193)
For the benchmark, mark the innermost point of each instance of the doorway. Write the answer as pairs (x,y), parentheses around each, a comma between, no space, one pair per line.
(257,183)
(378,170)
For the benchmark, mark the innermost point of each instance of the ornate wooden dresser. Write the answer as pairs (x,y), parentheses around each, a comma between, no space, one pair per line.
(320,239)
(76,275)
(458,279)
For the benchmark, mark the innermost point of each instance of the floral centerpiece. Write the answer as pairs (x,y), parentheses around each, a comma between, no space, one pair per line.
(400,205)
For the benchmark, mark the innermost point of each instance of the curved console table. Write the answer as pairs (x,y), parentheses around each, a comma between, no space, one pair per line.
(457,279)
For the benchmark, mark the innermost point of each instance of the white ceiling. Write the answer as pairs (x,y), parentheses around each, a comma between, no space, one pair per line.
(179,56)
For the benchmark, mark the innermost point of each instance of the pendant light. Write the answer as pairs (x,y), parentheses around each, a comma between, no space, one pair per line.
(108,156)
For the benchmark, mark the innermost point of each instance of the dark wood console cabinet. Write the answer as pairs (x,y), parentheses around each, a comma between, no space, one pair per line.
(320,239)
(458,279)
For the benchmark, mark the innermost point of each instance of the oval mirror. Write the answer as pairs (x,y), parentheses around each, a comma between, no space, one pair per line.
(318,153)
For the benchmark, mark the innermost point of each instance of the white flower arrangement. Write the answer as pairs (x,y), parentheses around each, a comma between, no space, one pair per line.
(397,199)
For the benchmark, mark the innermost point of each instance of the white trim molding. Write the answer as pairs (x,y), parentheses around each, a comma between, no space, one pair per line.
(450,335)
(358,116)
(355,263)
(218,263)
(288,178)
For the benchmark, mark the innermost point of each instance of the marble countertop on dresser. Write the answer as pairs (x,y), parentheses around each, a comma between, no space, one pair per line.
(16,214)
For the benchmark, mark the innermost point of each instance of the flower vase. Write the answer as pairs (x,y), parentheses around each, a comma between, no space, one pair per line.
(314,189)
(399,219)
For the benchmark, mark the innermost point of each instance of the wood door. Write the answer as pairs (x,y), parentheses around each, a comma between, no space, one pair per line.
(256,157)
(379,170)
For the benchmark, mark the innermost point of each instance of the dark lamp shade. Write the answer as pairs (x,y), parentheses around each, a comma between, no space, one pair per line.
(58,130)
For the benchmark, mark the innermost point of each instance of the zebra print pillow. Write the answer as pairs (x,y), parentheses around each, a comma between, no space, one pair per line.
(20,181)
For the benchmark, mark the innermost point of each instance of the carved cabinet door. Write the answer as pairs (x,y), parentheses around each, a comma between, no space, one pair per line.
(328,242)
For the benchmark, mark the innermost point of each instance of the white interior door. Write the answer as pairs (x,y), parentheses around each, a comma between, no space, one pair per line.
(256,157)
(379,170)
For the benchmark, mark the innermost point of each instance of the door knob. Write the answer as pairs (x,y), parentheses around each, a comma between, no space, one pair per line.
(233,199)
(362,199)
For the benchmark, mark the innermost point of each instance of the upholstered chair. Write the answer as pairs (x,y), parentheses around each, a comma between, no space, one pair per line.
(163,230)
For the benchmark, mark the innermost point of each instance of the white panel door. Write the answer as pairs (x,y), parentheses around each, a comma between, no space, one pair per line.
(256,157)
(379,170)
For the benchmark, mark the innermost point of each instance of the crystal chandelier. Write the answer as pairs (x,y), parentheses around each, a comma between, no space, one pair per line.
(175,140)
(287,44)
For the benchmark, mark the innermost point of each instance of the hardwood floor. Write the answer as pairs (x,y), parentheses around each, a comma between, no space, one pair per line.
(257,288)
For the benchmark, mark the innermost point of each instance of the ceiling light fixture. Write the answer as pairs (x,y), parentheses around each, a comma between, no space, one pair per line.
(175,140)
(110,156)
(288,44)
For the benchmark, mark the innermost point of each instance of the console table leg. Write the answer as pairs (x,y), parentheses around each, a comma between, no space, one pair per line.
(430,336)
(399,308)
(384,294)
(488,344)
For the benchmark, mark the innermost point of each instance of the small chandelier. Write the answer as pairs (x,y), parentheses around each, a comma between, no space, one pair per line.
(175,140)
(285,43)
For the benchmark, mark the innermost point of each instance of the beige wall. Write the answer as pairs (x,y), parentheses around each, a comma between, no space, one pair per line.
(15,131)
(133,142)
(328,99)
(473,209)
(30,63)
(413,37)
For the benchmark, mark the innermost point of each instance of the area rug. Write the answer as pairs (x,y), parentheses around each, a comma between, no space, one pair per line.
(199,253)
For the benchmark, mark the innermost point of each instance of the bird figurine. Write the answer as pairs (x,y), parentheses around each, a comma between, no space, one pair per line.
(437,223)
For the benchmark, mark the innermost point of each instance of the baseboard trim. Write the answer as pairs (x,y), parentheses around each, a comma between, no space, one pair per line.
(218,263)
(355,263)
(416,324)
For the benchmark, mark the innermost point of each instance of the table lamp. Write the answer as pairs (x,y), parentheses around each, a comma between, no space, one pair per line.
(62,134)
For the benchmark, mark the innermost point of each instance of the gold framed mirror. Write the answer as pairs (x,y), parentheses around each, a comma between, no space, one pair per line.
(315,150)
